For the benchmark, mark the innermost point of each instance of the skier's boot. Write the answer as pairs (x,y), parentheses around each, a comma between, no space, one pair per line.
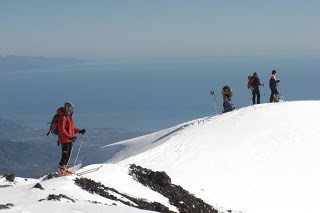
(63,171)
(68,172)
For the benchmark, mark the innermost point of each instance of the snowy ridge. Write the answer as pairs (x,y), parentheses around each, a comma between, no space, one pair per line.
(261,158)
(253,151)
(118,151)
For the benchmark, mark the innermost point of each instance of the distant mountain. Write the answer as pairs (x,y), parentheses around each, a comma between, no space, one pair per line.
(25,158)
(10,129)
(13,62)
(23,150)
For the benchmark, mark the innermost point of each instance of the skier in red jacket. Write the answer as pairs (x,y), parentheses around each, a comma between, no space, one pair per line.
(66,136)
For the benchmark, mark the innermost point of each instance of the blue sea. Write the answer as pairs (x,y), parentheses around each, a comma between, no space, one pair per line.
(148,94)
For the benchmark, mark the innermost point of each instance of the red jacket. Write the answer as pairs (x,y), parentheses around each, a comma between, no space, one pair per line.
(67,129)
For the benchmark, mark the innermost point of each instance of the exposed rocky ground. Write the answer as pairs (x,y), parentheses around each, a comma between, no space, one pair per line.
(6,206)
(179,197)
(58,198)
(160,182)
(157,181)
(110,193)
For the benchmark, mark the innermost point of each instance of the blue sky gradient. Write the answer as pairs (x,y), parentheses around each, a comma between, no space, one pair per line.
(145,28)
(151,63)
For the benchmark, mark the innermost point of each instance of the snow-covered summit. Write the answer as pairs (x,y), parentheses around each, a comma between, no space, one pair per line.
(261,158)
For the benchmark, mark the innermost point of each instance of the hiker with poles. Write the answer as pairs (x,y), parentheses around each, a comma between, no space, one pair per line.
(62,125)
(253,84)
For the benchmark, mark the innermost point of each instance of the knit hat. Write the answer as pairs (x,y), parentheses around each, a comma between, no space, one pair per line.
(69,103)
(274,72)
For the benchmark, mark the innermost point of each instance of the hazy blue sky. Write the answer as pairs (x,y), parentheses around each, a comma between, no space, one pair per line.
(150,28)
(217,42)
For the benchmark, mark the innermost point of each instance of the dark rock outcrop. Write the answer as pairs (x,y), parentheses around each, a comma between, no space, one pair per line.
(179,197)
(6,206)
(58,197)
(38,186)
(11,177)
(98,188)
(160,182)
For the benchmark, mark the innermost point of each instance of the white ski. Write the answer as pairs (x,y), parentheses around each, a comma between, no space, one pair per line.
(89,171)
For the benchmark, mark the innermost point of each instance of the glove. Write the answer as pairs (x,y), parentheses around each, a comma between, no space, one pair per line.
(73,139)
(278,81)
(82,131)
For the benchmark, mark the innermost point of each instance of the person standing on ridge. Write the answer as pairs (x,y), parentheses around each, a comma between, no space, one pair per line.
(66,135)
(273,85)
(255,88)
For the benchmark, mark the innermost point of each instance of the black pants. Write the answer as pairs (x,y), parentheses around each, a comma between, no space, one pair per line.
(66,152)
(274,91)
(255,95)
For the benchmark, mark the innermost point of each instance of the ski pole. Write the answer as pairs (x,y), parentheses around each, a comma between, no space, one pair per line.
(215,98)
(264,94)
(78,152)
(214,101)
(279,93)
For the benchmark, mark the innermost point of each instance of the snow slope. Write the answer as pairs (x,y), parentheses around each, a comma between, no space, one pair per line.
(261,158)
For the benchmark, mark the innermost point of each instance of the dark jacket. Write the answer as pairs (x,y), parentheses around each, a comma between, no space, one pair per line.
(273,82)
(256,82)
(67,129)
